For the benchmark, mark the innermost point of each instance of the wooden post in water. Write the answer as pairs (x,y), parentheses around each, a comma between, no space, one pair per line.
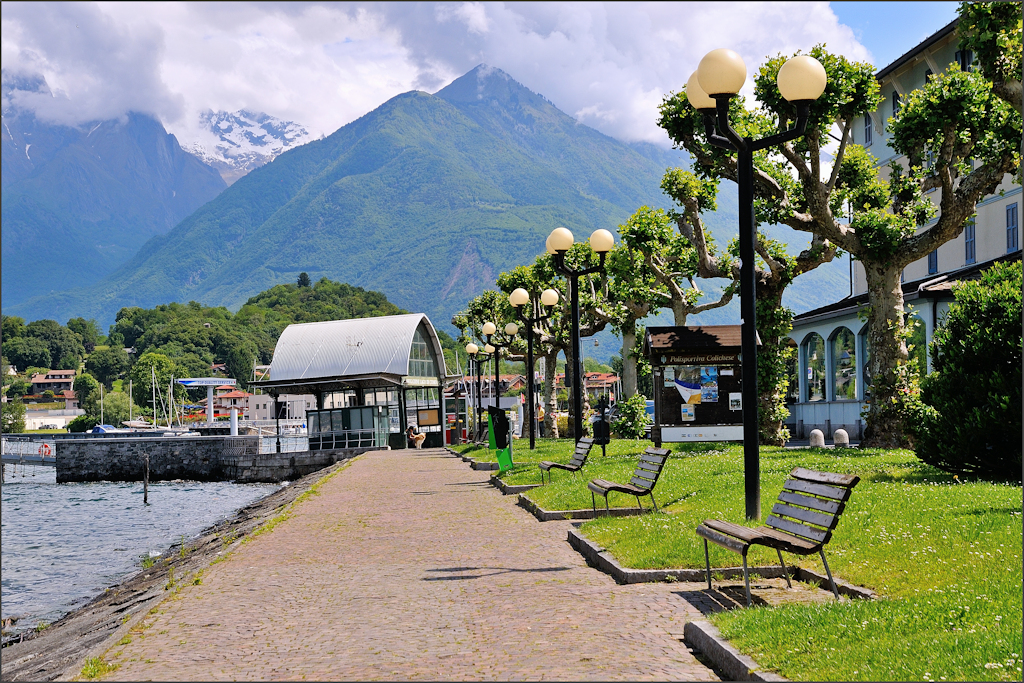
(145,483)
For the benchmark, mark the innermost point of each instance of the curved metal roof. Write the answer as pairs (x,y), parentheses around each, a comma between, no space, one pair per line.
(350,348)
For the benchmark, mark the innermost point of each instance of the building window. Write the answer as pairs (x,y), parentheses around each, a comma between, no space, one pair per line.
(969,241)
(844,365)
(895,103)
(1012,243)
(933,262)
(867,130)
(814,361)
(422,362)
(964,58)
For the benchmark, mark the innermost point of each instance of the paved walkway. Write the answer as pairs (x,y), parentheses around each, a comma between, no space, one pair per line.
(408,565)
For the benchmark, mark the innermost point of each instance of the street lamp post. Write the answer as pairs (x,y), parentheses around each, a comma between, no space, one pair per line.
(474,354)
(531,317)
(718,79)
(493,347)
(559,242)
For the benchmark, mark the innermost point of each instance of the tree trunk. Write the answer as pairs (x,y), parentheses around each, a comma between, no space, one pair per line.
(887,346)
(628,363)
(550,400)
(680,309)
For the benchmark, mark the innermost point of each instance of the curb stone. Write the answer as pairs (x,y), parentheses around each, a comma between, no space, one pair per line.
(562,515)
(736,666)
(604,561)
(473,463)
(509,490)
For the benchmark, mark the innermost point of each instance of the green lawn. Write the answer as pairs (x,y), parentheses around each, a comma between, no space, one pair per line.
(945,556)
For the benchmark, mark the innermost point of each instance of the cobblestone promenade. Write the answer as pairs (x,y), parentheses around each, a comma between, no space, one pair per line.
(408,565)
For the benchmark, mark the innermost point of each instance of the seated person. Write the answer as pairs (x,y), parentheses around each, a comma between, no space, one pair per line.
(414,437)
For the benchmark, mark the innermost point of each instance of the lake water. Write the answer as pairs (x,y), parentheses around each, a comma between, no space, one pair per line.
(64,543)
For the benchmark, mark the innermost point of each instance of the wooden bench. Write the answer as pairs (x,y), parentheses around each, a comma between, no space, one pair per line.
(579,459)
(801,522)
(642,484)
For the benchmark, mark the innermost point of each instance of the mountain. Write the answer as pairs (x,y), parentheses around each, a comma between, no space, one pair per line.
(427,198)
(235,143)
(78,202)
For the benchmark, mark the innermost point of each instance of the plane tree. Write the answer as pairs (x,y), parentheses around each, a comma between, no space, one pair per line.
(654,267)
(954,118)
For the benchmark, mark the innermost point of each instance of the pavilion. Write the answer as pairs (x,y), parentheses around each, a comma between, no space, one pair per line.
(394,362)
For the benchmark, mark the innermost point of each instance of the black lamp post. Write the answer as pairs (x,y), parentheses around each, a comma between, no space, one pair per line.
(490,330)
(718,79)
(476,357)
(559,242)
(519,298)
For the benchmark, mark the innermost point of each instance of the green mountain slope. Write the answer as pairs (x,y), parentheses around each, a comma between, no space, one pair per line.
(78,203)
(427,198)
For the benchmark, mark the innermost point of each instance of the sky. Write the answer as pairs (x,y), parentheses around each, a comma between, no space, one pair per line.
(326,64)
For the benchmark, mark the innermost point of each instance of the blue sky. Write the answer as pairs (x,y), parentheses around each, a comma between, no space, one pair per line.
(889,29)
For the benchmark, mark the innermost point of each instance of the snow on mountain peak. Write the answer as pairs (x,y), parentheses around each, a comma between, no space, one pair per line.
(235,143)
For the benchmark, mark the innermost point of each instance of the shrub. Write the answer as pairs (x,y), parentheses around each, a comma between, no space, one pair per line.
(975,386)
(83,423)
(632,422)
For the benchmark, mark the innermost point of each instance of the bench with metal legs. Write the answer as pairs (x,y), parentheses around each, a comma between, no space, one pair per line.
(801,522)
(579,459)
(642,484)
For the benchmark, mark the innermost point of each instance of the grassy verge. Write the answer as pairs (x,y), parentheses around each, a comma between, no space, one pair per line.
(945,556)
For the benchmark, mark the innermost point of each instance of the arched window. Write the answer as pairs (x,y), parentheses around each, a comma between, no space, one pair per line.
(844,365)
(814,361)
(865,353)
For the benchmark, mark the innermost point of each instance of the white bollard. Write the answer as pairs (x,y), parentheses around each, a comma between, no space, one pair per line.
(234,422)
(817,438)
(841,439)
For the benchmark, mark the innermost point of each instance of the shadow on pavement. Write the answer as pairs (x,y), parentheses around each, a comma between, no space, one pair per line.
(489,571)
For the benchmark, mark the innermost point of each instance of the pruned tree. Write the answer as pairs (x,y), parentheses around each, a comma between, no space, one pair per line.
(655,267)
(954,117)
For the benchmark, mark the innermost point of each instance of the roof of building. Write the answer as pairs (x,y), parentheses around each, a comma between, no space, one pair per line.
(40,378)
(352,352)
(237,393)
(689,337)
(910,54)
(931,287)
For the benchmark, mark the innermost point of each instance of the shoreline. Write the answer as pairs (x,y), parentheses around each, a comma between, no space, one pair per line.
(60,650)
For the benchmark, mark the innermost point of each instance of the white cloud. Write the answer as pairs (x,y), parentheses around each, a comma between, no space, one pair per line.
(324,65)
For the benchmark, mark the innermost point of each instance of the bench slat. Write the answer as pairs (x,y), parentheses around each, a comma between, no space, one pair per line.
(657,451)
(642,483)
(809,516)
(745,533)
(798,529)
(844,480)
(648,467)
(820,504)
(653,459)
(733,544)
(817,489)
(586,439)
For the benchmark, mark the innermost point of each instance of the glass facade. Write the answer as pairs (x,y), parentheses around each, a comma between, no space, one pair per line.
(423,409)
(358,427)
(422,359)
(844,365)
(387,397)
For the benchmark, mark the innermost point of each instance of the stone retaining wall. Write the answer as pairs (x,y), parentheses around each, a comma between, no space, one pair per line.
(197,458)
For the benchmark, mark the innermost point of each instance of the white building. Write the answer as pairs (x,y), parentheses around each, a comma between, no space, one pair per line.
(828,385)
